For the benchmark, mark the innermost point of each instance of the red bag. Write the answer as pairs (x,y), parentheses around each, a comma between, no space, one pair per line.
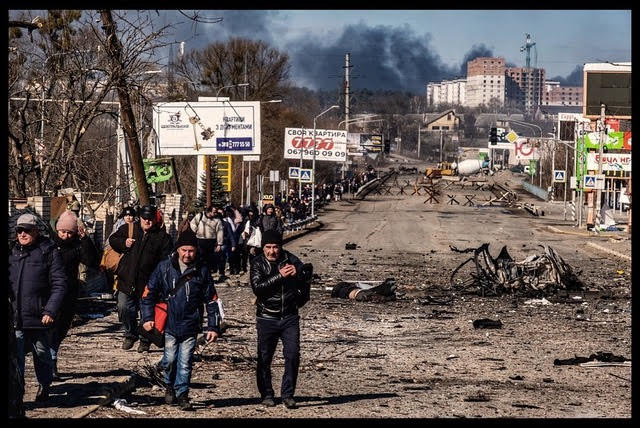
(160,316)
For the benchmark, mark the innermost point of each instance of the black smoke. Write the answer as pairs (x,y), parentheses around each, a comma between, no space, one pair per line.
(383,57)
(476,51)
(575,78)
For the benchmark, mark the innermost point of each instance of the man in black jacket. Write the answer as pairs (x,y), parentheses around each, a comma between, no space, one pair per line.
(140,256)
(37,284)
(277,281)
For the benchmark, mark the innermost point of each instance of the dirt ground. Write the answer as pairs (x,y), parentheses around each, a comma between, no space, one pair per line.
(416,357)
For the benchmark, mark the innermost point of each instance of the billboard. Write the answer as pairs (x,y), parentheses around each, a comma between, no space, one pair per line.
(608,84)
(329,144)
(207,128)
(614,140)
(371,142)
(610,162)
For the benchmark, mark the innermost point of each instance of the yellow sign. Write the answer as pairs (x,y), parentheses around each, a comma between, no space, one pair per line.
(224,171)
(511,137)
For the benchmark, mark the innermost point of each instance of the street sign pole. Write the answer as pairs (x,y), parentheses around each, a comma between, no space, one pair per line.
(566,168)
(300,182)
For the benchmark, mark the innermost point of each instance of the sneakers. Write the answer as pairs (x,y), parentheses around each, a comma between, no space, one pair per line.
(268,402)
(169,395)
(289,403)
(143,346)
(128,343)
(184,403)
(43,393)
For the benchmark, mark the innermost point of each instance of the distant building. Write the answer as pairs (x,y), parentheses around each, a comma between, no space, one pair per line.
(485,81)
(525,87)
(450,92)
(446,121)
(556,95)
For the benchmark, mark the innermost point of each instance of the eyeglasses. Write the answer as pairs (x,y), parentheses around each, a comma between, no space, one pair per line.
(19,230)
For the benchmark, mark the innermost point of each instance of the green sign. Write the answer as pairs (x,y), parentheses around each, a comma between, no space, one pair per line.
(615,140)
(581,161)
(157,170)
(532,167)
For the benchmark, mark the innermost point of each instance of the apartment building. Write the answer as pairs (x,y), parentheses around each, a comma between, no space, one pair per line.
(556,95)
(485,81)
(525,87)
(450,92)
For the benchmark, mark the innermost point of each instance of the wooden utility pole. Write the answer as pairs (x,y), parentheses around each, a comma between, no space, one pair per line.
(114,51)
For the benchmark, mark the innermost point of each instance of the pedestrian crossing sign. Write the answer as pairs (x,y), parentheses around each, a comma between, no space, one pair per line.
(559,176)
(305,175)
(589,181)
(294,172)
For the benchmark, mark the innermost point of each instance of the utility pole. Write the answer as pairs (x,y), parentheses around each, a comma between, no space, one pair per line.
(347,94)
(603,136)
(418,140)
(301,150)
(114,50)
(441,141)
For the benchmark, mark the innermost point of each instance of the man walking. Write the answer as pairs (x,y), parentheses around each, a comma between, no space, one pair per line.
(210,234)
(277,281)
(37,284)
(140,255)
(186,284)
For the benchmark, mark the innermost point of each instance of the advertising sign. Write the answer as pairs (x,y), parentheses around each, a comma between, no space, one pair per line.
(614,140)
(329,145)
(610,161)
(157,170)
(207,128)
(371,142)
(525,150)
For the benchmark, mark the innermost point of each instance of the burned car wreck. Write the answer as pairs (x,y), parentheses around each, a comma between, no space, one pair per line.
(536,275)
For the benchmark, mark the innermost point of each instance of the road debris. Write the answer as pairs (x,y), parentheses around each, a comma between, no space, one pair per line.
(366,291)
(121,404)
(350,246)
(542,301)
(604,357)
(487,323)
(535,275)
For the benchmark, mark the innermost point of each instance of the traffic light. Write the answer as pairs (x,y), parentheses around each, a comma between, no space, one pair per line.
(493,135)
(387,146)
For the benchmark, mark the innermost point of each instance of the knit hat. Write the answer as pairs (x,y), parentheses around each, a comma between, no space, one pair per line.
(271,237)
(27,221)
(187,237)
(67,221)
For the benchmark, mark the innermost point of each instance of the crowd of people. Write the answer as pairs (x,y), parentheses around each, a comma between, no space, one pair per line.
(44,287)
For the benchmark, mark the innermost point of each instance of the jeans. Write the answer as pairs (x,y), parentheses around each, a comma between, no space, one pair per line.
(63,323)
(178,361)
(269,331)
(128,307)
(221,260)
(207,248)
(36,342)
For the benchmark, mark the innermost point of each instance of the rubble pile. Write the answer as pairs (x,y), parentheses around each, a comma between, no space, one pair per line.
(536,275)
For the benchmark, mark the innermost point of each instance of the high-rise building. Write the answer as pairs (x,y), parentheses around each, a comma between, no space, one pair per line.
(525,87)
(450,92)
(485,81)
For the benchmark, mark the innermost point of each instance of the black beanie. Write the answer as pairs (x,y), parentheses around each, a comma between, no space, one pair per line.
(271,237)
(187,237)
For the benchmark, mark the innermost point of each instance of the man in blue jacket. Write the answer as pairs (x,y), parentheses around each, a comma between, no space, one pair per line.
(185,282)
(37,281)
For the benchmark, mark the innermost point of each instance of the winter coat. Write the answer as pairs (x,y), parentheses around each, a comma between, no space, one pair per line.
(141,259)
(276,296)
(207,228)
(184,309)
(230,235)
(37,281)
(270,222)
(75,251)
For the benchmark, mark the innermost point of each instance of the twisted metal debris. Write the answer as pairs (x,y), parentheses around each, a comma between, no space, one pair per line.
(536,275)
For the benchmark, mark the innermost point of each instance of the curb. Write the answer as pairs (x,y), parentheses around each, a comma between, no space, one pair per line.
(606,250)
(568,232)
(298,233)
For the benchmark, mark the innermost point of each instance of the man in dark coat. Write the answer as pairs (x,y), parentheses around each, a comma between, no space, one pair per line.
(75,247)
(37,282)
(140,256)
(184,281)
(277,280)
(269,220)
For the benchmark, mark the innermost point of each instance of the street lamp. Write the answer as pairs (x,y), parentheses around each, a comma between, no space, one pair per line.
(313,162)
(230,86)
